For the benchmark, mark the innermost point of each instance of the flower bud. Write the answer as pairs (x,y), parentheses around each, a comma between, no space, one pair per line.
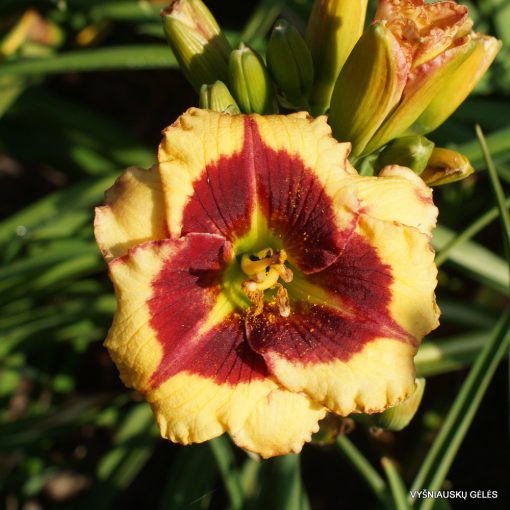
(197,42)
(333,29)
(399,416)
(446,166)
(368,87)
(31,29)
(445,60)
(218,98)
(250,81)
(290,64)
(410,151)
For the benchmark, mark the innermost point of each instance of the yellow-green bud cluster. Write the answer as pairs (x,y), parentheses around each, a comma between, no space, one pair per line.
(382,91)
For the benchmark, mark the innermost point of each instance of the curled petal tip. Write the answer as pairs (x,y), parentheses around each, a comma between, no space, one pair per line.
(446,166)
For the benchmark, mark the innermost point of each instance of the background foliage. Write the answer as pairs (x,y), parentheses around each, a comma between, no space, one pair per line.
(91,100)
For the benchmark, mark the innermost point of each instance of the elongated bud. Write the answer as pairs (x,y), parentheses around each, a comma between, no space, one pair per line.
(446,166)
(458,84)
(410,151)
(399,416)
(31,28)
(197,42)
(368,88)
(250,81)
(290,64)
(218,98)
(333,29)
(430,86)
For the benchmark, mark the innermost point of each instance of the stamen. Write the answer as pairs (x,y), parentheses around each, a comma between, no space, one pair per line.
(285,273)
(256,296)
(282,300)
(264,269)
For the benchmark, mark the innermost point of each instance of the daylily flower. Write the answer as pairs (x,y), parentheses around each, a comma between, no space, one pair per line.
(408,73)
(261,282)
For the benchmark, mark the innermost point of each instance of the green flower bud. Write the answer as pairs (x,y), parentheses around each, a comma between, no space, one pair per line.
(445,166)
(410,151)
(218,98)
(290,64)
(197,42)
(333,29)
(399,416)
(250,81)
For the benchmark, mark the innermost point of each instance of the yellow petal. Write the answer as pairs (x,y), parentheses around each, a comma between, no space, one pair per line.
(134,213)
(409,254)
(354,327)
(379,376)
(192,409)
(279,424)
(197,139)
(311,141)
(397,194)
(172,345)
(228,191)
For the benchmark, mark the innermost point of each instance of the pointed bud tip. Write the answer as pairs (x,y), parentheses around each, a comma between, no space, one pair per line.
(446,166)
(250,81)
(290,64)
(410,151)
(217,97)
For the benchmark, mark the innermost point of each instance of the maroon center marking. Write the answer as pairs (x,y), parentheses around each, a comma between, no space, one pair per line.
(184,293)
(297,210)
(360,283)
(311,334)
(289,194)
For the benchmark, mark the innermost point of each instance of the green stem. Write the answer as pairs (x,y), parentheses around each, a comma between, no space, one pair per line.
(397,487)
(442,453)
(445,355)
(498,191)
(222,452)
(364,468)
(469,232)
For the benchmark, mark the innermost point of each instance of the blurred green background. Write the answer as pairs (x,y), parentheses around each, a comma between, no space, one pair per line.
(85,91)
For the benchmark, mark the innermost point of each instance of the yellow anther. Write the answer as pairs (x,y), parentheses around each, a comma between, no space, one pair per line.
(284,272)
(253,264)
(264,269)
(264,281)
